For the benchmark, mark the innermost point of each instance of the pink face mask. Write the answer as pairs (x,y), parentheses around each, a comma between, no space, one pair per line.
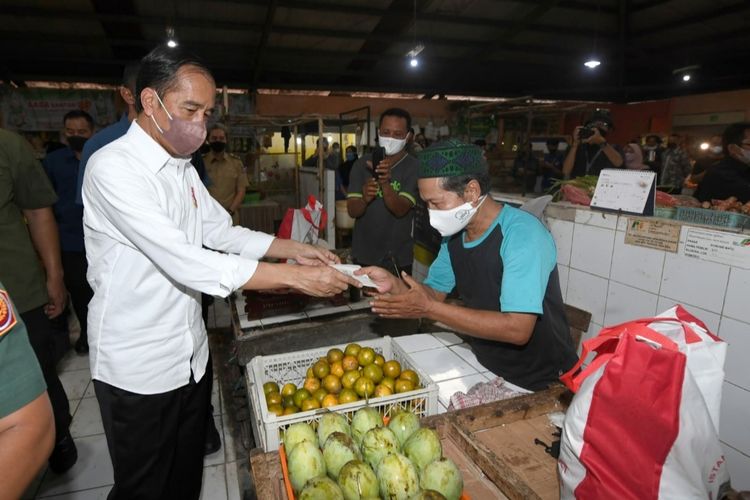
(183,135)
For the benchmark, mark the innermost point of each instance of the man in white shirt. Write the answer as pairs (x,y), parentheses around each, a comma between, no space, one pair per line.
(147,216)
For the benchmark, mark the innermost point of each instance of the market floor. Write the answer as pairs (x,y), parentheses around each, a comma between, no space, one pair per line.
(91,477)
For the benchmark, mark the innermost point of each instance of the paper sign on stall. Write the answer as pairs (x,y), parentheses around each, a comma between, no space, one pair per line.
(653,234)
(717,246)
(629,191)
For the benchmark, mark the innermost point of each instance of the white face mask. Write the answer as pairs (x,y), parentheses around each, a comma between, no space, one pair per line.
(451,221)
(716,149)
(391,146)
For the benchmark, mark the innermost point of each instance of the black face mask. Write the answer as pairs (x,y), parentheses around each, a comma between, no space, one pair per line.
(76,142)
(218,146)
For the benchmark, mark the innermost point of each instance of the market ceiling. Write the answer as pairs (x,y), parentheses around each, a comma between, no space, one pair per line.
(471,47)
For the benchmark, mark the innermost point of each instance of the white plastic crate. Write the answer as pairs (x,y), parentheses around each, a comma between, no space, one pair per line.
(292,367)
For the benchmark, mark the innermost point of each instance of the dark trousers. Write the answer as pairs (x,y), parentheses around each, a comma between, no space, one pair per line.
(42,336)
(75,266)
(156,441)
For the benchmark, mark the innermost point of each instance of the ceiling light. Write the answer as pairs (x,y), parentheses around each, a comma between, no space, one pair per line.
(413,53)
(171,40)
(686,73)
(704,146)
(413,62)
(686,77)
(592,63)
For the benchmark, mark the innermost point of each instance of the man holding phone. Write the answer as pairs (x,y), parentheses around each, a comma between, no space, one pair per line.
(590,151)
(382,193)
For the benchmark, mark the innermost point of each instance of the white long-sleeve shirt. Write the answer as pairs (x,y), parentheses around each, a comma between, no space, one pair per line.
(146,218)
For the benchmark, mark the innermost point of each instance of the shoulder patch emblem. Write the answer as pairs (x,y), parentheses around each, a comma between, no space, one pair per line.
(7,316)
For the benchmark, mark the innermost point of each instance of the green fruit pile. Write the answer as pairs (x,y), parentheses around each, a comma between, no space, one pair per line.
(341,377)
(367,460)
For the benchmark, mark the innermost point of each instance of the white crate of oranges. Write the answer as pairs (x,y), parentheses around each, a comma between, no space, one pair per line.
(301,386)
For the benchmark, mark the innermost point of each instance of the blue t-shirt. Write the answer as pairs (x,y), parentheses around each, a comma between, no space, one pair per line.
(95,143)
(62,169)
(528,255)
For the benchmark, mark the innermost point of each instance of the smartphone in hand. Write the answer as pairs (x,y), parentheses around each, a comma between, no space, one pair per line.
(378,155)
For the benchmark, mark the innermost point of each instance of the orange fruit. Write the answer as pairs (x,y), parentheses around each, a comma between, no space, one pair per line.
(309,373)
(389,382)
(319,394)
(403,385)
(364,387)
(373,372)
(321,368)
(347,396)
(332,384)
(366,356)
(310,404)
(287,401)
(301,395)
(382,390)
(379,360)
(270,387)
(288,389)
(349,378)
(329,400)
(349,363)
(334,355)
(411,376)
(276,410)
(352,350)
(290,410)
(392,369)
(337,368)
(311,384)
(273,398)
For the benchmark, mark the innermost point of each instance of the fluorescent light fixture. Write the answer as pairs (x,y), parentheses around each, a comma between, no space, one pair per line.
(592,63)
(704,146)
(413,53)
(171,40)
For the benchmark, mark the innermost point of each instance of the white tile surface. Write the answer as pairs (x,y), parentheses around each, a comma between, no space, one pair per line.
(637,266)
(442,364)
(562,232)
(738,295)
(625,303)
(464,350)
(563,272)
(93,469)
(587,292)
(75,382)
(735,415)
(418,342)
(695,282)
(327,311)
(230,455)
(246,323)
(233,482)
(736,370)
(214,483)
(592,249)
(449,387)
(87,420)
(217,457)
(598,219)
(283,318)
(216,397)
(92,494)
(622,223)
(90,393)
(739,468)
(447,338)
(73,361)
(710,319)
(362,304)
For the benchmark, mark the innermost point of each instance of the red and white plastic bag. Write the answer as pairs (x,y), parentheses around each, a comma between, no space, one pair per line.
(644,422)
(304,224)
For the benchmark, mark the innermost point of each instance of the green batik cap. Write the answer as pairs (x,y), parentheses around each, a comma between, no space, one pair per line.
(451,158)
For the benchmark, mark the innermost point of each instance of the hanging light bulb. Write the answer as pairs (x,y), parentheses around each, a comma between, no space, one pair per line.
(414,62)
(171,40)
(592,63)
(686,77)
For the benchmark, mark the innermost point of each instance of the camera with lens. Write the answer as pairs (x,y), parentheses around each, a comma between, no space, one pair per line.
(585,132)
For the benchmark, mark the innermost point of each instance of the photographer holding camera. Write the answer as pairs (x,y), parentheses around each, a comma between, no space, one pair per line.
(590,151)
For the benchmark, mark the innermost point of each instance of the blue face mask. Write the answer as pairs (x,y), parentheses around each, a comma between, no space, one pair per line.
(351,156)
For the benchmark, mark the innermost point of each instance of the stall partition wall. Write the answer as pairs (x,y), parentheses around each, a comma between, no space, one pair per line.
(618,282)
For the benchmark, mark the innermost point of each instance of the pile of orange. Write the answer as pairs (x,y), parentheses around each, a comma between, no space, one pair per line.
(341,377)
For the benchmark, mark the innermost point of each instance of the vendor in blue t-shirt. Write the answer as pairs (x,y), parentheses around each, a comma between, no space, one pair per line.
(501,261)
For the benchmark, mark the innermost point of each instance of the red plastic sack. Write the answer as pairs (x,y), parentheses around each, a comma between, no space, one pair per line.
(304,224)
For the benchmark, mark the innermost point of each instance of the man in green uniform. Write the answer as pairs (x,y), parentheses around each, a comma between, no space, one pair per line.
(26,193)
(27,429)
(228,179)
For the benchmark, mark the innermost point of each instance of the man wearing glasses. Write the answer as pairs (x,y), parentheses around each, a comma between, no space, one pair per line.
(382,192)
(731,176)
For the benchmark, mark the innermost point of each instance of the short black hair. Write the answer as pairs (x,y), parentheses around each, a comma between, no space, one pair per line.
(399,113)
(457,184)
(352,148)
(130,75)
(734,134)
(79,113)
(159,71)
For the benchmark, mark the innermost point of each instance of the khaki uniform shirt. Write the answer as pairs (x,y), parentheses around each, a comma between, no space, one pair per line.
(23,185)
(226,174)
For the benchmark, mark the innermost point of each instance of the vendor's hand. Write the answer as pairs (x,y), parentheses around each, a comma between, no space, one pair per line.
(385,281)
(313,255)
(58,298)
(596,138)
(322,281)
(414,303)
(576,136)
(370,190)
